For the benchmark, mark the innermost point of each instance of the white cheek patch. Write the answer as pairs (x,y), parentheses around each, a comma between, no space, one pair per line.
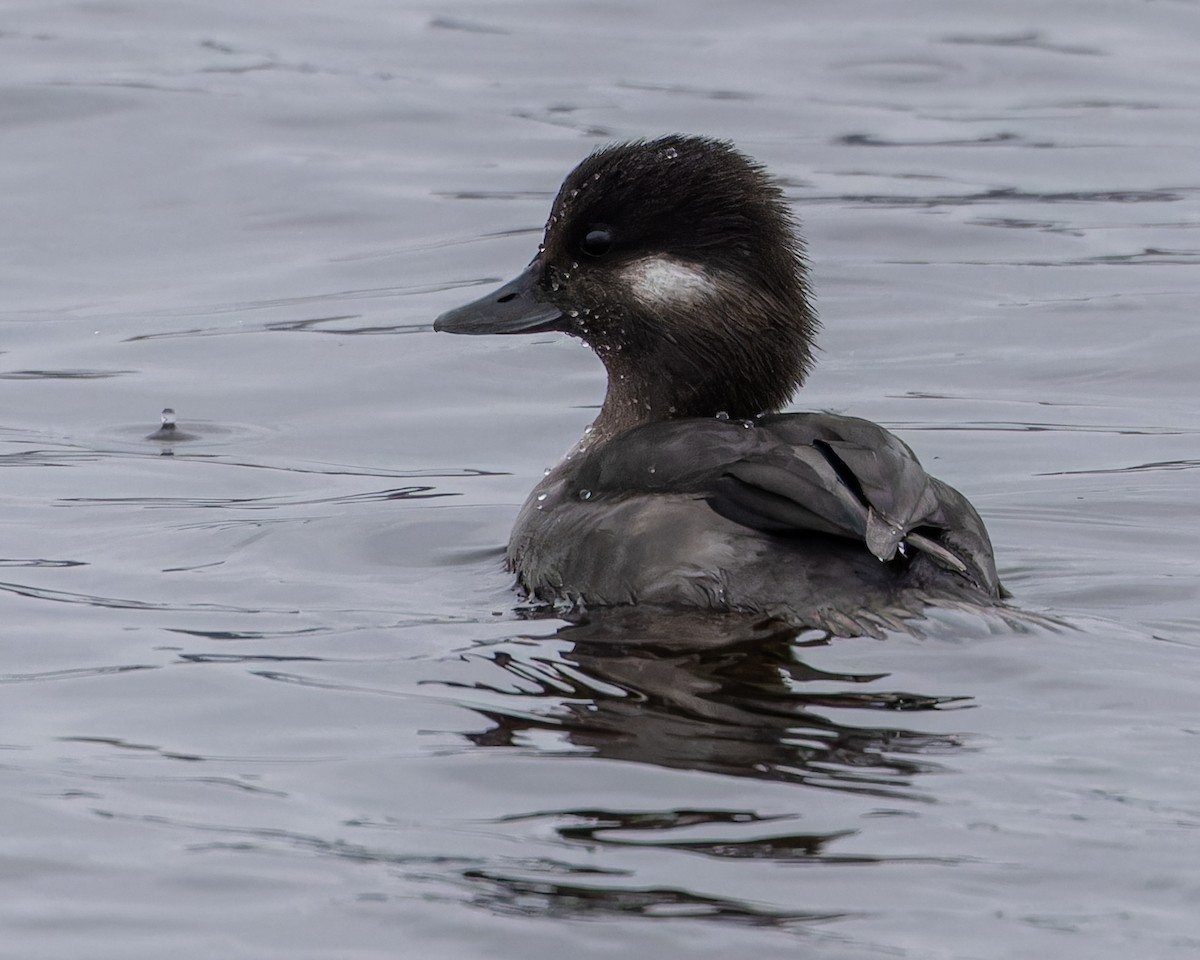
(662,280)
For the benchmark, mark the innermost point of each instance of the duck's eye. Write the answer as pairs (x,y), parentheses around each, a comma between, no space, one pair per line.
(597,240)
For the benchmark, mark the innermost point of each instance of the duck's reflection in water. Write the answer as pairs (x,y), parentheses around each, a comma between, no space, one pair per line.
(697,692)
(721,694)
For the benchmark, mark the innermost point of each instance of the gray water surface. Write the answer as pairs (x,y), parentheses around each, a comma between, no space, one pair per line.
(262,690)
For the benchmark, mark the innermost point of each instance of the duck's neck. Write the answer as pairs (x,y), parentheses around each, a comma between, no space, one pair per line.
(647,390)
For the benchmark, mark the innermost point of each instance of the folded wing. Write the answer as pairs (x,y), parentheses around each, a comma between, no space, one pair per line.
(790,474)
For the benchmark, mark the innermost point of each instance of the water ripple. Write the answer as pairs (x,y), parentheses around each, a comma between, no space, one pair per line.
(1029,40)
(74,673)
(94,600)
(1001,195)
(257,503)
(63,374)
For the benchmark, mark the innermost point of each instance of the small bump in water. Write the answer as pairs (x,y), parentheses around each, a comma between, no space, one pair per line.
(169,431)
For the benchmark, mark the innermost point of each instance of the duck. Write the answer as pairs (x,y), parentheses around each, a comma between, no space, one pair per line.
(679,262)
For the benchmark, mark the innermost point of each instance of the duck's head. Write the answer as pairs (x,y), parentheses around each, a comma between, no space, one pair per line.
(678,262)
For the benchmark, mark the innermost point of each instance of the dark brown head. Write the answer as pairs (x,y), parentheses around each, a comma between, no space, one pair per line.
(678,261)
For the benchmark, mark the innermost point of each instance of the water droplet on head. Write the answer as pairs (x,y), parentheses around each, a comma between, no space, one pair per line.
(669,153)
(546,472)
(585,494)
(748,424)
(654,469)
(572,313)
(588,429)
(542,496)
(722,415)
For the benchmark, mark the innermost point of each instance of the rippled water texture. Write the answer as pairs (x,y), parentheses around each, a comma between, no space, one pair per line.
(262,690)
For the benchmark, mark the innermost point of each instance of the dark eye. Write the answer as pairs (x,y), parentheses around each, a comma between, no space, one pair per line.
(597,240)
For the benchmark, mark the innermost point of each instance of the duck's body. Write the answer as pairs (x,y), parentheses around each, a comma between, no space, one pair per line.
(677,261)
(766,515)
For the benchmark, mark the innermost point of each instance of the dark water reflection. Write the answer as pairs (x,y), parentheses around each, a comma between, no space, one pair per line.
(565,900)
(732,696)
(721,695)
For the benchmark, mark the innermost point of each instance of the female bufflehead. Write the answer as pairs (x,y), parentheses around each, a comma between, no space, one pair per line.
(677,261)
